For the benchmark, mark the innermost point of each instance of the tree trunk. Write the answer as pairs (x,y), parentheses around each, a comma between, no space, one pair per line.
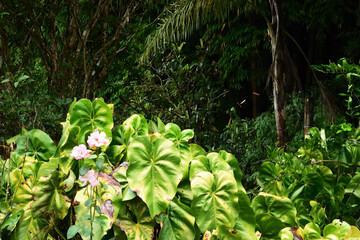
(278,73)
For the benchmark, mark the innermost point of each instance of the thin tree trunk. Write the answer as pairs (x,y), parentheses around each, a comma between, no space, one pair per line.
(278,71)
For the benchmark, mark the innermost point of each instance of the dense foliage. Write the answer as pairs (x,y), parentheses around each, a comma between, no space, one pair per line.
(144,180)
(246,80)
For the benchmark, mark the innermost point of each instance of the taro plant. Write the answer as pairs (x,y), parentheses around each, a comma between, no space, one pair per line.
(140,180)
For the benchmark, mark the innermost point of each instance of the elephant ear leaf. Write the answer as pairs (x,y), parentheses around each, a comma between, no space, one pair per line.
(215,194)
(90,116)
(27,227)
(280,207)
(49,198)
(177,221)
(153,171)
(143,227)
(36,144)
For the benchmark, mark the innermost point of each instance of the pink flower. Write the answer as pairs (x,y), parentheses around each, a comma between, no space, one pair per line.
(91,177)
(97,139)
(80,152)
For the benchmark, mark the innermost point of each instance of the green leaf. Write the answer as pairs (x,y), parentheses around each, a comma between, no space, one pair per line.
(216,195)
(336,228)
(245,222)
(11,221)
(211,163)
(186,134)
(184,192)
(268,172)
(22,77)
(354,185)
(354,234)
(138,123)
(143,226)
(279,207)
(314,184)
(28,227)
(120,173)
(72,231)
(128,194)
(176,222)
(98,210)
(88,202)
(153,171)
(84,170)
(69,182)
(90,116)
(228,233)
(158,127)
(286,234)
(123,135)
(269,225)
(100,162)
(234,164)
(115,153)
(172,132)
(312,231)
(39,145)
(48,197)
(47,168)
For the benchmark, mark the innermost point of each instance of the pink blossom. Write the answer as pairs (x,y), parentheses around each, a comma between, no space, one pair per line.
(90,176)
(80,152)
(97,139)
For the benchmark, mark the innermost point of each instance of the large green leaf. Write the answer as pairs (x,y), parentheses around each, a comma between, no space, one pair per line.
(28,227)
(90,116)
(211,163)
(234,164)
(36,144)
(280,207)
(314,185)
(153,172)
(49,198)
(181,139)
(215,199)
(269,178)
(140,228)
(269,225)
(245,222)
(12,219)
(176,222)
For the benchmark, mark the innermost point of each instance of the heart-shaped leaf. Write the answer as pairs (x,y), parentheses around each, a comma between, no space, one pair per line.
(176,222)
(215,199)
(153,171)
(90,116)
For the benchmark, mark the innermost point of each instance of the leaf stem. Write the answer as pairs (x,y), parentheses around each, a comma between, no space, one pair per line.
(22,172)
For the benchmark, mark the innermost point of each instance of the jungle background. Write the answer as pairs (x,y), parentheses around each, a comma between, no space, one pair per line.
(210,66)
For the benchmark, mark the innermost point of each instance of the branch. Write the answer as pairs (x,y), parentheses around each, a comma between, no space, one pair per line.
(313,162)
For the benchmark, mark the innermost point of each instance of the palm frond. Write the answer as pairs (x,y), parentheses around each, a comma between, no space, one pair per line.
(182,18)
